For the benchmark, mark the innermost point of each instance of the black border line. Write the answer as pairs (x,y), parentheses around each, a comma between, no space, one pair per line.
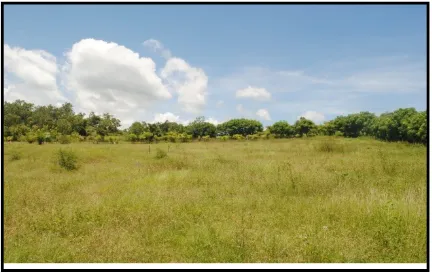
(215,3)
(428,137)
(228,3)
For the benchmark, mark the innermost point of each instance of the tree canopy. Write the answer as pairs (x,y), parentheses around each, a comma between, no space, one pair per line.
(23,120)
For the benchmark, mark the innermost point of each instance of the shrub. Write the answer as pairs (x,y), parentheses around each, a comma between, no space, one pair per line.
(31,138)
(67,159)
(9,138)
(40,138)
(338,134)
(15,155)
(48,137)
(97,139)
(238,137)
(132,138)
(75,137)
(64,139)
(183,137)
(160,153)
(206,138)
(253,137)
(158,138)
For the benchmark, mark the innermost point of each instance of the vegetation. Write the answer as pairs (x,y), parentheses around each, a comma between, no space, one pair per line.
(285,200)
(15,155)
(67,159)
(160,154)
(26,122)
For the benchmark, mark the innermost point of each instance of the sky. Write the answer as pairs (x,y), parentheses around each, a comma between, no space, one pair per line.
(177,62)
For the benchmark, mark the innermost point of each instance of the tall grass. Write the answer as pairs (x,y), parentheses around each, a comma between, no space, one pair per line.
(267,201)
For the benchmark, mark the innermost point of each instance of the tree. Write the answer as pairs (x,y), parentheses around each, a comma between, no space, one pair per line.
(136,128)
(64,127)
(108,124)
(304,126)
(239,126)
(354,125)
(281,129)
(200,128)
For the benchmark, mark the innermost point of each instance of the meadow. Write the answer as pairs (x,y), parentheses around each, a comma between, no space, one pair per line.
(312,200)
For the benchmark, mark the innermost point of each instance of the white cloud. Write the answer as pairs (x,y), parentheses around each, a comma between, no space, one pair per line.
(213,121)
(189,82)
(314,116)
(107,77)
(31,76)
(263,114)
(158,47)
(167,116)
(253,93)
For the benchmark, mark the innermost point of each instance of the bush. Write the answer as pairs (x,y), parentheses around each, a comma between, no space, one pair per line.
(64,139)
(75,137)
(338,134)
(67,159)
(31,138)
(253,137)
(15,155)
(41,139)
(238,137)
(160,153)
(97,139)
(159,138)
(206,138)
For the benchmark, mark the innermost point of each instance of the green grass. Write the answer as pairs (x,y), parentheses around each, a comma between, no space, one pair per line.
(259,201)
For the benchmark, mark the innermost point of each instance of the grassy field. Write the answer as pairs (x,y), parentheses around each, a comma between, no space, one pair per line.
(288,201)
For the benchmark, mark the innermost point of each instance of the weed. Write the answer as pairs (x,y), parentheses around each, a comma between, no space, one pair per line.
(67,159)
(160,154)
(15,155)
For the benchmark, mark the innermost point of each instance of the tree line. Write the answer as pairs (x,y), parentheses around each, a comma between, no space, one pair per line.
(24,121)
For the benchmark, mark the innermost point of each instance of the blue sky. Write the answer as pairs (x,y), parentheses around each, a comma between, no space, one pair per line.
(267,62)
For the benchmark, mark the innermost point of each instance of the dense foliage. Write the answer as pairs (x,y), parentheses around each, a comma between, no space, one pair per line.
(24,121)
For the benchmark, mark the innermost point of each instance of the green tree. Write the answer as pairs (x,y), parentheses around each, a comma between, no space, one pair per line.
(281,129)
(239,126)
(304,126)
(199,128)
(136,128)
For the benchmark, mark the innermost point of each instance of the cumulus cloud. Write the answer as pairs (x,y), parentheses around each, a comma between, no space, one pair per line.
(253,93)
(31,76)
(263,114)
(108,77)
(314,116)
(213,121)
(171,117)
(190,84)
(167,116)
(158,47)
